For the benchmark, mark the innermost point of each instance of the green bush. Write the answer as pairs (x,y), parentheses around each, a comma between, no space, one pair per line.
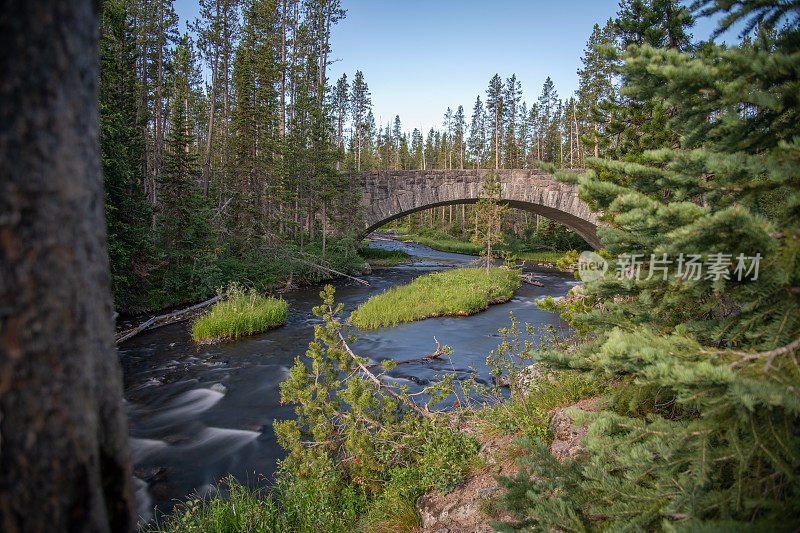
(704,432)
(458,292)
(364,439)
(241,313)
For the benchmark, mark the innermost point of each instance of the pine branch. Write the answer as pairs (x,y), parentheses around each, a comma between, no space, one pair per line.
(769,356)
(381,386)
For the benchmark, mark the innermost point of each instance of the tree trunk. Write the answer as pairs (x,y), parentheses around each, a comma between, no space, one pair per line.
(65,464)
(324,227)
(282,127)
(496,141)
(488,252)
(158,149)
(215,65)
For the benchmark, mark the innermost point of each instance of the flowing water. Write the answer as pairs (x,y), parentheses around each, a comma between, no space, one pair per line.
(199,413)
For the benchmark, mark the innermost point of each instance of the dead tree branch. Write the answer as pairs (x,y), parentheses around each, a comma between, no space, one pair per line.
(381,385)
(439,351)
(150,323)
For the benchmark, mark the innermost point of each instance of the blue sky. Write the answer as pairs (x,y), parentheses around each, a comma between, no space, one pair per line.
(421,56)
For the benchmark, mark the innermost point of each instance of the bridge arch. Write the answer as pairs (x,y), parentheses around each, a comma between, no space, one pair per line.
(391,195)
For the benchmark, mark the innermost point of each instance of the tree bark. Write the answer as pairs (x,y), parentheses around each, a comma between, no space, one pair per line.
(65,464)
(215,65)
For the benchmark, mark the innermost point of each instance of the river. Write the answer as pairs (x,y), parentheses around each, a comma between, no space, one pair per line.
(199,413)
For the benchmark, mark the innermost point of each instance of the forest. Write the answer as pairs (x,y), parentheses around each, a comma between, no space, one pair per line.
(148,163)
(228,154)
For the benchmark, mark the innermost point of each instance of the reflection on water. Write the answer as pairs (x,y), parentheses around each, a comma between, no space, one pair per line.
(199,413)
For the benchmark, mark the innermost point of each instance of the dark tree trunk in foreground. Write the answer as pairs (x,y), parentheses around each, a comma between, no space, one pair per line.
(64,461)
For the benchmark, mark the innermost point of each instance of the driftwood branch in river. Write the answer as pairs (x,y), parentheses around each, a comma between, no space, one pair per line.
(439,352)
(328,270)
(150,323)
(527,278)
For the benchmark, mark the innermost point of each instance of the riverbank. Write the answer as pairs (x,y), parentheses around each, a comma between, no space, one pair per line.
(165,285)
(265,282)
(458,292)
(451,482)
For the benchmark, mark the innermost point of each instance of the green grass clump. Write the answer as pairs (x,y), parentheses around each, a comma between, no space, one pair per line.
(449,245)
(543,256)
(242,313)
(241,509)
(528,414)
(379,257)
(458,292)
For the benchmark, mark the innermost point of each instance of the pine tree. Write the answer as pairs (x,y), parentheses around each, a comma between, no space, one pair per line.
(448,125)
(705,431)
(459,128)
(397,138)
(360,105)
(534,127)
(341,106)
(595,86)
(127,210)
(429,154)
(658,23)
(181,227)
(630,126)
(496,113)
(477,134)
(523,136)
(489,213)
(417,148)
(513,95)
(548,106)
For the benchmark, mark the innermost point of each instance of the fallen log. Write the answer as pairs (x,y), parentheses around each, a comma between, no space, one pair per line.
(531,281)
(329,270)
(125,335)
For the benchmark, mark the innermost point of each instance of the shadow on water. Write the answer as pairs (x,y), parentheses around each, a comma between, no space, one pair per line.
(199,413)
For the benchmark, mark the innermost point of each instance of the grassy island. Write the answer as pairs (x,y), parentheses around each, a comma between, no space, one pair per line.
(447,244)
(378,257)
(459,292)
(242,313)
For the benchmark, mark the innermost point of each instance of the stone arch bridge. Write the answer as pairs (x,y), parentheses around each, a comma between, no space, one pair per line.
(394,194)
